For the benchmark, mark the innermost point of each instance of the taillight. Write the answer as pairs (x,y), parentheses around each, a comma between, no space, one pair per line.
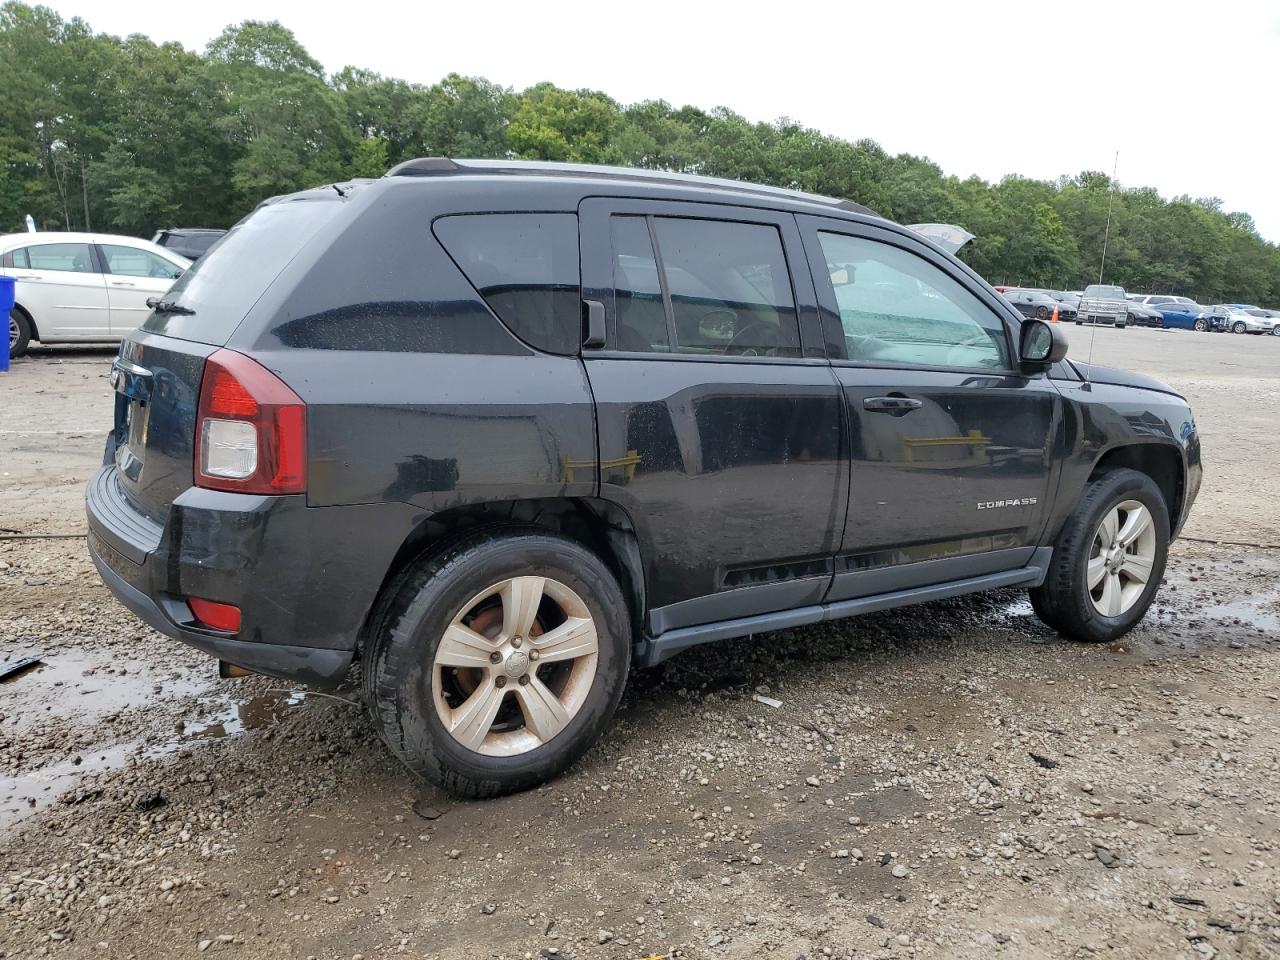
(251,429)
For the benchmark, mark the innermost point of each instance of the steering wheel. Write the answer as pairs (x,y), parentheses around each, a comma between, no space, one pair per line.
(977,340)
(767,346)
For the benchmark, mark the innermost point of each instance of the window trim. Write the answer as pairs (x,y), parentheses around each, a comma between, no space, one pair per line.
(594,214)
(1003,311)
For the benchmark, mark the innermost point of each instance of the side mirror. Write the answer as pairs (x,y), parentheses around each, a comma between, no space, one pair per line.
(1043,345)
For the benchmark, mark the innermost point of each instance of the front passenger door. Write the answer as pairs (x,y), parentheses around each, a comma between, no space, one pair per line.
(133,276)
(950,464)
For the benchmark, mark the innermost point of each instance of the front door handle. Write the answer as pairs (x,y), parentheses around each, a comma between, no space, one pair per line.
(123,283)
(26,276)
(897,406)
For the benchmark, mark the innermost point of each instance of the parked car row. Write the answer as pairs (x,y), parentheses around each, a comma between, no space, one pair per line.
(1111,305)
(1185,313)
(91,287)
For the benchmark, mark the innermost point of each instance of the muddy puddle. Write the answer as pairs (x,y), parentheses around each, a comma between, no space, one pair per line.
(65,776)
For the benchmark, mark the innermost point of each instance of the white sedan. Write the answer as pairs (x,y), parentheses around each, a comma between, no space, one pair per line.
(82,287)
(1244,319)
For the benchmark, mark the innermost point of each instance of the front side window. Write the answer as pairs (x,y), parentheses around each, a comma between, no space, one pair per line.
(64,257)
(525,265)
(132,262)
(723,288)
(896,307)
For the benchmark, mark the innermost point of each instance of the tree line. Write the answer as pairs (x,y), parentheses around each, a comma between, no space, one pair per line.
(127,136)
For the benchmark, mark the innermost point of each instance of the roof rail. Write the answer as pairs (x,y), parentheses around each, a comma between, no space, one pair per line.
(444,166)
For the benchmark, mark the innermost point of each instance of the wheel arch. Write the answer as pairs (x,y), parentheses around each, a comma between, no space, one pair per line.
(31,321)
(1162,462)
(599,525)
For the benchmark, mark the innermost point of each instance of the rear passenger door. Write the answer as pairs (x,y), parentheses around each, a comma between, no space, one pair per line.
(719,419)
(62,285)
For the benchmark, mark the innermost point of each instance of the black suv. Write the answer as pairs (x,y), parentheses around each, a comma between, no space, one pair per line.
(502,431)
(191,242)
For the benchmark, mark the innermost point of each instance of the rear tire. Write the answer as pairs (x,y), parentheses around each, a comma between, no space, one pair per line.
(1238,327)
(425,704)
(1066,601)
(19,332)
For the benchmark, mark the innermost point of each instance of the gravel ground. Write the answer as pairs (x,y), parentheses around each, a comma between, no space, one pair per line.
(948,781)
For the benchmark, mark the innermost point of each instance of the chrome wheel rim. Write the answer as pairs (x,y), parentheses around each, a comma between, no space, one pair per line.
(515,666)
(13,331)
(1121,558)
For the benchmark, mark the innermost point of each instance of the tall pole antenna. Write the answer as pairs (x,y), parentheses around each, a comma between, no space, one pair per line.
(1106,236)
(1111,199)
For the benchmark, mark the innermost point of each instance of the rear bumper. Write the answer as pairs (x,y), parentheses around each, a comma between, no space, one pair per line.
(303,577)
(321,668)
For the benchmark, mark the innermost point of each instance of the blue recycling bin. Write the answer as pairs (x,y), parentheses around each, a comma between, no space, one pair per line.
(6,304)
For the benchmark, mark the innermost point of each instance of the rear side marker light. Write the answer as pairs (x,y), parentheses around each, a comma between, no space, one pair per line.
(219,616)
(251,429)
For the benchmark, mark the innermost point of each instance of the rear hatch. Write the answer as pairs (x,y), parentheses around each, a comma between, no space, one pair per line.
(160,367)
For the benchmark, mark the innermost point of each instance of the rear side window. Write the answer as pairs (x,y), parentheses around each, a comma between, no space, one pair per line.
(65,257)
(724,288)
(525,265)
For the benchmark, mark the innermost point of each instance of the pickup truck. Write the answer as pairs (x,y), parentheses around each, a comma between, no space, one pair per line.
(1103,304)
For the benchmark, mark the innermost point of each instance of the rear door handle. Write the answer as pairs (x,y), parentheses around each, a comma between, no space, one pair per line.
(123,283)
(898,406)
(594,338)
(26,276)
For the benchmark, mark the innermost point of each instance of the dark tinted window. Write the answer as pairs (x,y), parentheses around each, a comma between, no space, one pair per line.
(525,265)
(727,292)
(223,286)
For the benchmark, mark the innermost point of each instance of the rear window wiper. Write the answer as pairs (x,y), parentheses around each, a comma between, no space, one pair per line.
(168,306)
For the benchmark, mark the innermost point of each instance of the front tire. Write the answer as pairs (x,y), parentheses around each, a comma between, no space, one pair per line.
(1201,326)
(1108,560)
(19,333)
(1238,327)
(498,662)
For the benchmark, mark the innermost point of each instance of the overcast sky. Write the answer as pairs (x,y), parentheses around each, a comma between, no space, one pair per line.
(1186,92)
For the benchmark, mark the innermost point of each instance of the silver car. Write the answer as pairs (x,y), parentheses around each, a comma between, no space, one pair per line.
(82,287)
(1101,303)
(1246,319)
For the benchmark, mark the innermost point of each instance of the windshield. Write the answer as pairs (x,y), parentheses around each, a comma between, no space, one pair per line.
(1099,292)
(227,281)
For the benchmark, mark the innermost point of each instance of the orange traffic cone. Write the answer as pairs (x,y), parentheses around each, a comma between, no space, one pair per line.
(1054,318)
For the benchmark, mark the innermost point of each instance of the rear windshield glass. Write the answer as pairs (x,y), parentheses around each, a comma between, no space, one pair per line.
(525,265)
(223,285)
(1097,292)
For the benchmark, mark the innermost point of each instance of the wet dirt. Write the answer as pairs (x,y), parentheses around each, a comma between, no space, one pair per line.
(705,822)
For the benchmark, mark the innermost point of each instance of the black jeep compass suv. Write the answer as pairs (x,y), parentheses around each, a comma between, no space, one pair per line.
(501,431)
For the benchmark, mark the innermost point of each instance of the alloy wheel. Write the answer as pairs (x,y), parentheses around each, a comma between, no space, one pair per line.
(13,332)
(515,666)
(1121,558)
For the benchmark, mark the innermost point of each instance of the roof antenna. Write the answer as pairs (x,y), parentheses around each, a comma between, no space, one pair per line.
(1106,235)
